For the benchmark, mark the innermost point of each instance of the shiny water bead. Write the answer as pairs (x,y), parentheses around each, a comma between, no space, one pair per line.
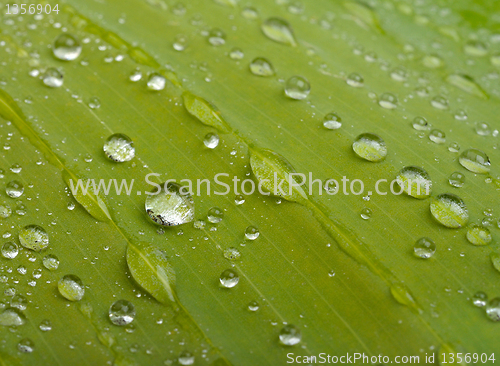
(475,161)
(482,128)
(449,210)
(290,335)
(460,115)
(94,103)
(355,80)
(26,345)
(454,147)
(297,87)
(388,101)
(249,12)
(278,30)
(478,235)
(121,312)
(236,54)
(437,136)
(215,215)
(332,121)
(424,248)
(119,148)
(51,262)
(34,237)
(186,358)
(14,189)
(211,140)
(156,82)
(261,67)
(217,37)
(232,254)
(5,211)
(12,317)
(67,47)
(456,179)
(420,124)
(71,287)
(229,278)
(45,325)
(370,147)
(366,213)
(439,102)
(10,250)
(253,306)
(493,309)
(53,78)
(252,233)
(170,206)
(180,42)
(415,182)
(475,48)
(480,299)
(135,75)
(19,302)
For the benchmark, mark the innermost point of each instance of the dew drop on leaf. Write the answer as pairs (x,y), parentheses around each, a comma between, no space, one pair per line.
(454,147)
(370,147)
(480,299)
(415,182)
(297,87)
(170,206)
(355,80)
(456,179)
(186,358)
(53,78)
(215,215)
(232,254)
(156,82)
(449,210)
(495,260)
(14,189)
(216,37)
(236,54)
(26,345)
(12,317)
(493,309)
(71,287)
(437,136)
(366,213)
(252,233)
(261,66)
(483,129)
(67,47)
(119,148)
(420,124)
(424,248)
(135,75)
(439,102)
(290,335)
(475,48)
(5,211)
(34,237)
(10,250)
(121,312)
(388,101)
(475,161)
(278,30)
(253,306)
(180,42)
(45,325)
(229,278)
(332,121)
(19,302)
(478,235)
(51,262)
(239,199)
(211,140)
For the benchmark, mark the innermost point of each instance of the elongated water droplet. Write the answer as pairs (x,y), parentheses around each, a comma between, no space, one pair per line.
(229,278)
(355,80)
(122,312)
(415,182)
(211,140)
(388,101)
(475,161)
(12,317)
(424,248)
(467,84)
(261,67)
(370,147)
(10,250)
(119,148)
(456,179)
(34,237)
(71,287)
(495,260)
(449,210)
(204,112)
(53,78)
(493,309)
(290,335)
(170,206)
(14,189)
(432,61)
(215,215)
(437,136)
(332,121)
(478,235)
(67,47)
(420,124)
(249,12)
(156,82)
(480,299)
(279,30)
(252,233)
(297,87)
(475,48)
(51,262)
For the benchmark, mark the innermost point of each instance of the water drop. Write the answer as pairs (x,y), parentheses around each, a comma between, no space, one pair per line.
(483,129)
(135,75)
(186,358)
(45,325)
(366,213)
(12,317)
(475,161)
(355,80)
(67,47)
(449,210)
(122,312)
(229,278)
(216,37)
(16,168)
(399,74)
(215,215)
(249,12)
(261,67)
(10,250)
(278,30)
(211,140)
(5,211)
(370,147)
(415,182)
(454,147)
(180,42)
(51,262)
(493,309)
(19,302)
(332,121)
(119,148)
(290,335)
(432,61)
(437,136)
(239,199)
(495,260)
(480,299)
(156,82)
(170,206)
(252,233)
(53,78)
(14,189)
(232,254)
(420,124)
(424,248)
(34,237)
(439,102)
(71,287)
(388,101)
(297,87)
(475,48)
(478,235)
(456,179)
(460,115)
(26,345)
(94,103)
(253,306)
(236,54)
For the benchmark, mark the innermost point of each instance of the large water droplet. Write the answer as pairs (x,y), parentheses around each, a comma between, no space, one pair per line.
(297,87)
(415,182)
(12,317)
(14,189)
(456,179)
(211,140)
(119,148)
(229,278)
(475,161)
(493,309)
(449,210)
(332,121)
(34,237)
(171,206)
(424,248)
(279,30)
(290,335)
(122,312)
(252,233)
(388,101)
(67,47)
(71,287)
(370,147)
(261,67)
(53,78)
(480,299)
(478,235)
(215,215)
(10,250)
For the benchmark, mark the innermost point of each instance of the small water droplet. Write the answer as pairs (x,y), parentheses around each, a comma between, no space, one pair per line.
(370,147)
(297,87)
(170,206)
(156,82)
(121,312)
(94,103)
(332,121)
(420,124)
(355,80)
(14,189)
(239,199)
(67,47)
(278,30)
(478,235)
(483,129)
(26,345)
(236,54)
(449,210)
(454,147)
(217,37)
(215,215)
(261,67)
(5,211)
(456,179)
(186,358)
(424,248)
(19,302)
(12,317)
(119,148)
(290,335)
(253,306)
(53,78)
(439,102)
(432,61)
(71,287)
(415,182)
(388,101)
(475,161)
(45,325)
(493,309)
(232,254)
(437,136)
(135,75)
(460,115)
(480,299)
(10,250)
(51,262)
(34,237)
(180,42)
(366,213)
(211,140)
(399,74)
(252,233)
(475,48)
(229,278)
